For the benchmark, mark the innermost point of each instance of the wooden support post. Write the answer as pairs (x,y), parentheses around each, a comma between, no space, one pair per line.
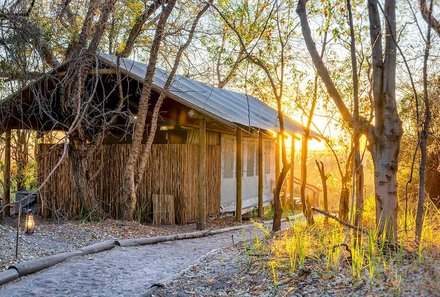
(7,173)
(260,174)
(277,158)
(202,175)
(292,169)
(238,174)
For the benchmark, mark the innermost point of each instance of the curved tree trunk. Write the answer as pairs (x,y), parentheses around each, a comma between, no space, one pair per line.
(90,206)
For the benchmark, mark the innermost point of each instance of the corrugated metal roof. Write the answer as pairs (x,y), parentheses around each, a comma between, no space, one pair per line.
(228,105)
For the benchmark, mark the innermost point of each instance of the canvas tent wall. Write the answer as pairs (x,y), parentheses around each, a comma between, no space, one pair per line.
(250,172)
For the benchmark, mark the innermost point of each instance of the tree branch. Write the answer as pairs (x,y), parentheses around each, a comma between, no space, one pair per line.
(428,17)
(319,64)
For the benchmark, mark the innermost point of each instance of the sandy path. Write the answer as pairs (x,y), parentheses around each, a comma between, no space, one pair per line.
(121,271)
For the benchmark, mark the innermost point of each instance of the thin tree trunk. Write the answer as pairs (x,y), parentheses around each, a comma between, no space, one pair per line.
(344,199)
(428,17)
(324,178)
(278,210)
(305,204)
(358,169)
(136,144)
(305,143)
(137,27)
(139,156)
(424,135)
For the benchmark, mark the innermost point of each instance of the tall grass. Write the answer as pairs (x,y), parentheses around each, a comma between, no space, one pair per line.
(327,244)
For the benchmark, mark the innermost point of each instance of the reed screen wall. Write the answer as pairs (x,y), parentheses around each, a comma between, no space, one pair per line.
(172,170)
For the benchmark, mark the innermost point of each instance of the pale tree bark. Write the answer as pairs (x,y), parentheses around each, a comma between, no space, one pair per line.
(424,133)
(385,140)
(384,137)
(75,46)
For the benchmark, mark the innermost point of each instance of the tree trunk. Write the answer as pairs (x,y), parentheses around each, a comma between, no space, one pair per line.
(130,184)
(324,178)
(344,199)
(384,137)
(79,154)
(385,185)
(358,169)
(305,205)
(278,210)
(424,133)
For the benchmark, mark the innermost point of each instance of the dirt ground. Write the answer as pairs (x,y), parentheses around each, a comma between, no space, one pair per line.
(122,271)
(52,237)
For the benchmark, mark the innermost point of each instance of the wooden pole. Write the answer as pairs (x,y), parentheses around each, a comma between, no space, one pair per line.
(17,238)
(292,169)
(7,173)
(277,158)
(238,174)
(202,175)
(260,174)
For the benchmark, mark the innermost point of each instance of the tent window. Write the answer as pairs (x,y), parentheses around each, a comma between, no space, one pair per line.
(228,157)
(267,156)
(250,162)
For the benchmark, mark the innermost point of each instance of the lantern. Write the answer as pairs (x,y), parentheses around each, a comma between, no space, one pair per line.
(30,222)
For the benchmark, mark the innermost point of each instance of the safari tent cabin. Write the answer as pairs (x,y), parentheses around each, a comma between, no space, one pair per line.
(235,123)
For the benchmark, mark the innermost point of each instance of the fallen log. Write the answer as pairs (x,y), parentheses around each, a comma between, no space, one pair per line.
(98,247)
(8,275)
(33,266)
(339,220)
(144,240)
(190,235)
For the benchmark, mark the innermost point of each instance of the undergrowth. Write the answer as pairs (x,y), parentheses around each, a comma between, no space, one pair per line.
(331,246)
